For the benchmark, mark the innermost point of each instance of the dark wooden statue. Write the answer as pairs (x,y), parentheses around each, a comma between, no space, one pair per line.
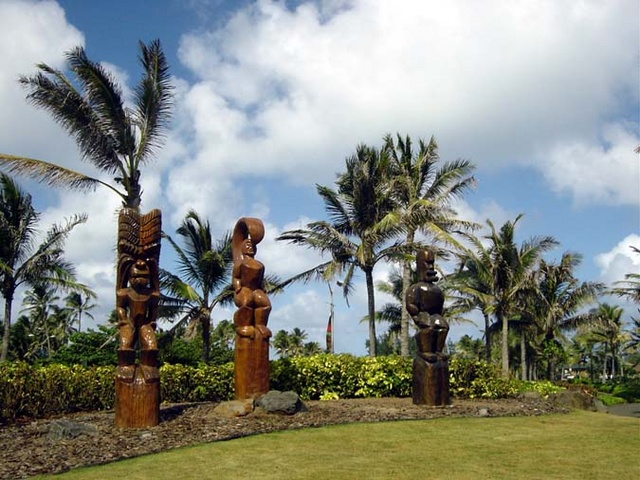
(424,302)
(137,295)
(250,320)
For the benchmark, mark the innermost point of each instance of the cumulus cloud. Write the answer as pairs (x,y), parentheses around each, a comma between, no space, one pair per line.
(620,260)
(606,172)
(291,91)
(32,32)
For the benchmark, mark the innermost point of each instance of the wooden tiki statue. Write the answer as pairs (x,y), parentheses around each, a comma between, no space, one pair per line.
(424,301)
(250,320)
(137,296)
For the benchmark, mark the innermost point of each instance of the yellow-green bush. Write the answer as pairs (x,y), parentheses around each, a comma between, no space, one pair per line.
(478,379)
(205,383)
(31,391)
(53,389)
(343,376)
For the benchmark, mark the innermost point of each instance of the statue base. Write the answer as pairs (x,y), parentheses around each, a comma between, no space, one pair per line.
(137,402)
(251,366)
(431,382)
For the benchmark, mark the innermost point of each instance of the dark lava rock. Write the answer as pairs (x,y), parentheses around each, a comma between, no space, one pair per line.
(280,402)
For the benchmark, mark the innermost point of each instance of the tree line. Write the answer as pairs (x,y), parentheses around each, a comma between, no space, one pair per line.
(388,202)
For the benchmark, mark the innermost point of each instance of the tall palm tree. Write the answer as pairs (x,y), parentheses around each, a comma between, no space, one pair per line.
(39,303)
(633,344)
(511,265)
(21,262)
(423,194)
(473,280)
(557,299)
(361,227)
(115,138)
(79,306)
(608,330)
(203,278)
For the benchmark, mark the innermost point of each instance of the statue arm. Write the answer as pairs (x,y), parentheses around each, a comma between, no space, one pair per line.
(236,279)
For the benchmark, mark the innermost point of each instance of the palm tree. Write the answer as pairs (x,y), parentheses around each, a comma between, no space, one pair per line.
(473,280)
(633,344)
(79,305)
(291,344)
(113,137)
(203,278)
(469,348)
(511,265)
(629,288)
(423,195)
(608,330)
(39,303)
(20,262)
(360,229)
(555,303)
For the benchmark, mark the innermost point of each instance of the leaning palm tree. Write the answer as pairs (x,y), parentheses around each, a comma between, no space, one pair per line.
(202,281)
(21,261)
(360,229)
(115,138)
(423,192)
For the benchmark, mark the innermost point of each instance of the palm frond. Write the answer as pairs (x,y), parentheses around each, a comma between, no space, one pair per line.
(153,99)
(51,174)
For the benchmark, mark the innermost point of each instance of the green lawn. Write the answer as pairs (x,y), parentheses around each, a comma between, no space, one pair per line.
(581,445)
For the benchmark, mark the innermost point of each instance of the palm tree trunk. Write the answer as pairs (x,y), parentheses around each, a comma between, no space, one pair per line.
(7,328)
(368,273)
(487,339)
(505,346)
(404,318)
(613,362)
(206,337)
(523,356)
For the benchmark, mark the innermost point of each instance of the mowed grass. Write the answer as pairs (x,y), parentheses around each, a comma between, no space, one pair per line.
(580,445)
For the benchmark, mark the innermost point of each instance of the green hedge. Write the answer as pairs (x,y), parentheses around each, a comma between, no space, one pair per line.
(342,376)
(205,383)
(29,391)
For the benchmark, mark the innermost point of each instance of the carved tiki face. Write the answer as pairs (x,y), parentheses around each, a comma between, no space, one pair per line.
(248,247)
(140,276)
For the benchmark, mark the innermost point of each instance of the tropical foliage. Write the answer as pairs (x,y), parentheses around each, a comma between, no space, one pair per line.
(423,193)
(21,260)
(292,344)
(360,228)
(202,280)
(116,138)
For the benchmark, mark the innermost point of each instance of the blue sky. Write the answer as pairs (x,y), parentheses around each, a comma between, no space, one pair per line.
(543,96)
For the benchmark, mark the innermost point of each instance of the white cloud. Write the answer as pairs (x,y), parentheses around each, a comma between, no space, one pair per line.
(293,91)
(620,260)
(606,172)
(32,32)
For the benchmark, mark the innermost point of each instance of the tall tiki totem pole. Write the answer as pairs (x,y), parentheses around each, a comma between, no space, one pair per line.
(424,301)
(250,320)
(137,296)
